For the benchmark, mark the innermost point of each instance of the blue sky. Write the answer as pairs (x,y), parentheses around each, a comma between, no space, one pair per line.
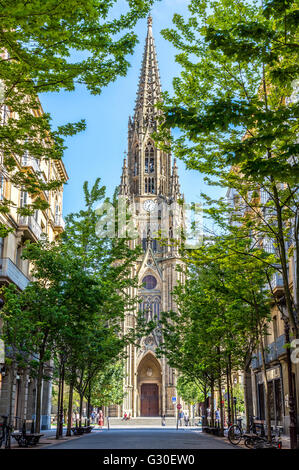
(99,151)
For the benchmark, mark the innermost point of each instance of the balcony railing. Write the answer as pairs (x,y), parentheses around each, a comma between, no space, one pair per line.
(59,222)
(12,273)
(30,222)
(276,281)
(29,161)
(274,350)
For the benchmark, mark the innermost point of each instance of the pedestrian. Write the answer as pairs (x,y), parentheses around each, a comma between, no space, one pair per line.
(163,420)
(101,419)
(186,419)
(209,416)
(217,416)
(125,417)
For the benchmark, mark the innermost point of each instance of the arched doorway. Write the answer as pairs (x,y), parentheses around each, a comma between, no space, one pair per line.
(149,380)
(149,400)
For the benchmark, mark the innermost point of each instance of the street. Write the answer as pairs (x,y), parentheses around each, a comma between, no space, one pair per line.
(153,438)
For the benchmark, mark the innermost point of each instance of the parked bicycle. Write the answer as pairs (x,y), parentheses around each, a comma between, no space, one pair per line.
(253,439)
(260,442)
(236,432)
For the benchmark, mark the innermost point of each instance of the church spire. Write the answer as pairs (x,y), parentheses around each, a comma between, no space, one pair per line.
(124,185)
(175,185)
(149,88)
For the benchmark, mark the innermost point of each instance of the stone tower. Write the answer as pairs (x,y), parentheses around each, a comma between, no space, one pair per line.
(150,184)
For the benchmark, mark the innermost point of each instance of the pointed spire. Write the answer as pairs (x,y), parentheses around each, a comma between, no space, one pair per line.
(149,89)
(124,185)
(175,185)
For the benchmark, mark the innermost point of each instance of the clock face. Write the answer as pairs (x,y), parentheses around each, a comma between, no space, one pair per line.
(149,205)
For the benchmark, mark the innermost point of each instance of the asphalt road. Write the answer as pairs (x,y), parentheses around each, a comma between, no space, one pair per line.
(144,439)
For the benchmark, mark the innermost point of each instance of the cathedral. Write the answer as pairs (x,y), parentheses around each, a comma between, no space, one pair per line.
(150,184)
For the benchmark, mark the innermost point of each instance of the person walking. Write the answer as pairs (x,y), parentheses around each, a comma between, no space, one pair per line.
(217,417)
(101,419)
(163,420)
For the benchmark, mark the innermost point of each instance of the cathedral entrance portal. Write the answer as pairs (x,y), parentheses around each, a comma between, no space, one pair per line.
(149,400)
(149,380)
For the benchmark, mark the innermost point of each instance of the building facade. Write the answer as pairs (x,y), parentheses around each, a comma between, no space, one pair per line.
(150,184)
(274,342)
(13,269)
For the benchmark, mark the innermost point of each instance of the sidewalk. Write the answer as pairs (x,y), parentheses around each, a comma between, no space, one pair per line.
(284,438)
(47,439)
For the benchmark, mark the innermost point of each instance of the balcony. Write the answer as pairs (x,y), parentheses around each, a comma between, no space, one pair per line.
(276,282)
(59,223)
(30,227)
(274,351)
(11,273)
(30,162)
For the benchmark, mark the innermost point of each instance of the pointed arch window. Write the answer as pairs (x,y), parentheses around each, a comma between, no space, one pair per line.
(149,166)
(136,154)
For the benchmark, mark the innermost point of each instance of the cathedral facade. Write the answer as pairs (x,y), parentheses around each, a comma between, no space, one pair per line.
(150,184)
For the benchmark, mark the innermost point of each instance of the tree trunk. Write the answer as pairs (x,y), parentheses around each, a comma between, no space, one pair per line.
(205,420)
(38,395)
(88,404)
(11,387)
(229,416)
(212,404)
(233,417)
(70,410)
(81,407)
(221,406)
(248,396)
(61,402)
(267,401)
(284,262)
(292,403)
(58,406)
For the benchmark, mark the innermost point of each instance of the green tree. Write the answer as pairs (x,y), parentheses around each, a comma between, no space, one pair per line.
(47,47)
(236,106)
(222,311)
(189,391)
(107,388)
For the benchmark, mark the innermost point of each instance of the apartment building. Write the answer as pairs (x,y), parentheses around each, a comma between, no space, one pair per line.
(13,269)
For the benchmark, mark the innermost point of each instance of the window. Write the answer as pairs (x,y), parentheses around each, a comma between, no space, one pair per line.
(1,247)
(149,166)
(150,308)
(18,256)
(2,186)
(136,153)
(149,282)
(275,331)
(4,114)
(23,198)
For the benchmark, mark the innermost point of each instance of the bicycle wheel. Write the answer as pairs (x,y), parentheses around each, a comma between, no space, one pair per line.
(234,434)
(249,443)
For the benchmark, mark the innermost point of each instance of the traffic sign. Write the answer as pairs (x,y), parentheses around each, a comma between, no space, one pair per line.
(179,406)
(173,399)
